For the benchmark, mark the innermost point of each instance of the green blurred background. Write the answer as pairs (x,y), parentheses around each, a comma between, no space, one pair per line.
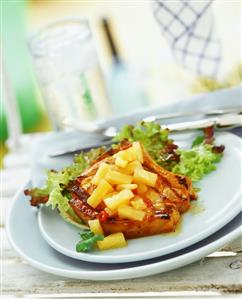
(19,69)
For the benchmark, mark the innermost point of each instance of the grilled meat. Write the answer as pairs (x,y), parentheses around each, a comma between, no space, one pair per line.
(173,195)
(175,192)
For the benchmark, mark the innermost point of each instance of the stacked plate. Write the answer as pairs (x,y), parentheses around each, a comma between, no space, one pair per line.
(48,243)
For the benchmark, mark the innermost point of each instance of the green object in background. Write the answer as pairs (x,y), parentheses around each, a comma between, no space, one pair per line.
(18,64)
(3,123)
(87,97)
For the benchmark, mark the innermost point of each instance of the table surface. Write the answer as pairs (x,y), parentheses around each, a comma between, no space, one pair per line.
(218,273)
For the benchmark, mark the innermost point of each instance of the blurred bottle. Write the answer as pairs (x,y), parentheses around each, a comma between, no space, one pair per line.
(124,84)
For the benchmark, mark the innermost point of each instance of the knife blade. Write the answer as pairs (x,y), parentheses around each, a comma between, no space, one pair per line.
(223,121)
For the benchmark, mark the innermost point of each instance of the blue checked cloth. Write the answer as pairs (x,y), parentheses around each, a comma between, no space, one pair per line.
(188,26)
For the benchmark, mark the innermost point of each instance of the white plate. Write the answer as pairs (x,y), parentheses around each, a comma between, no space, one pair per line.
(220,198)
(22,222)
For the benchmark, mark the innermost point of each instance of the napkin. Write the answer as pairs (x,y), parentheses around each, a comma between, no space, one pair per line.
(189,29)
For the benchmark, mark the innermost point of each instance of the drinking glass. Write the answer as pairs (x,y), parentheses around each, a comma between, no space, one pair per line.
(69,73)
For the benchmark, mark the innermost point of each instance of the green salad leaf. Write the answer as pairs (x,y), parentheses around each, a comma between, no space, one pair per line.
(155,140)
(58,180)
(197,162)
(198,140)
(149,134)
(88,240)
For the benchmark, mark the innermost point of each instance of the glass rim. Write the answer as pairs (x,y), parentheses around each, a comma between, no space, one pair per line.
(33,38)
(53,23)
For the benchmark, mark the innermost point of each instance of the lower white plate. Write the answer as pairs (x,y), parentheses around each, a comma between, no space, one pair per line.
(25,237)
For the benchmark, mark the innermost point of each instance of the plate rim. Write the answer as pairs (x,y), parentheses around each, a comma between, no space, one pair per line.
(127,273)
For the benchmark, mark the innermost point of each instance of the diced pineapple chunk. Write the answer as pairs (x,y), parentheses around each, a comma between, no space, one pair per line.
(169,193)
(132,153)
(97,195)
(100,174)
(110,212)
(155,198)
(129,169)
(127,186)
(115,240)
(95,227)
(121,198)
(145,177)
(152,195)
(110,194)
(120,162)
(138,203)
(176,215)
(127,212)
(115,177)
(159,205)
(142,188)
(128,154)
(138,151)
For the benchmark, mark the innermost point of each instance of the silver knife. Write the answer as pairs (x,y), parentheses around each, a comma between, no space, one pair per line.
(230,120)
(222,121)
(213,112)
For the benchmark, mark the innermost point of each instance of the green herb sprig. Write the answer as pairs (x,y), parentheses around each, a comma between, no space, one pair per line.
(88,240)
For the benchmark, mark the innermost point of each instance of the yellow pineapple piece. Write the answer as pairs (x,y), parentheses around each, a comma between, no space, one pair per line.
(155,198)
(152,195)
(169,193)
(95,227)
(129,169)
(115,177)
(120,162)
(128,154)
(176,215)
(145,177)
(97,195)
(121,198)
(110,194)
(142,188)
(127,212)
(115,240)
(138,152)
(110,212)
(100,174)
(138,203)
(159,205)
(126,186)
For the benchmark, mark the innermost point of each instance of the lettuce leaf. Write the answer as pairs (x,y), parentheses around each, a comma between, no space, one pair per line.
(155,140)
(197,162)
(58,180)
(60,201)
(145,132)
